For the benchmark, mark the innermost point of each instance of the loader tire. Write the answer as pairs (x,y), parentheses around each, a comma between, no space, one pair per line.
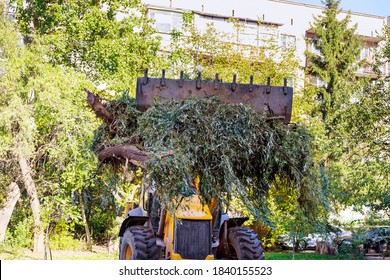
(138,243)
(244,244)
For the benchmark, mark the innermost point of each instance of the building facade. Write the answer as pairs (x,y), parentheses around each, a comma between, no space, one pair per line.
(289,21)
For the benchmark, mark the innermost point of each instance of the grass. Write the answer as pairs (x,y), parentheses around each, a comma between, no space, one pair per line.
(298,256)
(101,253)
(84,255)
(97,253)
(311,255)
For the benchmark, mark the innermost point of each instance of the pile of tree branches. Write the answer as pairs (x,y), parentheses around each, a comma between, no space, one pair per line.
(236,152)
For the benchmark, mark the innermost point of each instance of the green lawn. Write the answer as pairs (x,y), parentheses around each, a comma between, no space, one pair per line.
(99,253)
(303,256)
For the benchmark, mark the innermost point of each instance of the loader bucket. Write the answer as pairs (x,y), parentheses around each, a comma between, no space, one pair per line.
(275,101)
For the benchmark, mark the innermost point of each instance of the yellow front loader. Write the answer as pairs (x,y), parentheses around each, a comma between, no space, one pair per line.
(194,230)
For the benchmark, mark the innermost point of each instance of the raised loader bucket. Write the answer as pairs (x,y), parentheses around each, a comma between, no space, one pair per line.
(275,101)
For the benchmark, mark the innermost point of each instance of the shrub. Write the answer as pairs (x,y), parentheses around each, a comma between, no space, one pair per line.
(21,235)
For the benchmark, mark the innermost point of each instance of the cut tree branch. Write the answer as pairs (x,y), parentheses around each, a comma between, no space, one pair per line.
(97,106)
(131,153)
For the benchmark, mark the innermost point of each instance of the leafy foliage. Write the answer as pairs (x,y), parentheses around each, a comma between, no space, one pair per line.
(213,51)
(369,155)
(44,117)
(334,59)
(109,41)
(43,109)
(235,152)
(126,115)
(348,116)
(20,235)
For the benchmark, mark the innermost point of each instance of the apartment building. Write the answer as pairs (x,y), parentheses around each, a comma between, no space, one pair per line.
(288,21)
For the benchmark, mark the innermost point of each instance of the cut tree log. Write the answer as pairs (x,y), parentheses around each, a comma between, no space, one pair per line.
(131,153)
(97,106)
(134,155)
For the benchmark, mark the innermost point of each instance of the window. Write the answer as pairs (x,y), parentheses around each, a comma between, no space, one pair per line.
(248,34)
(365,53)
(166,21)
(313,49)
(286,41)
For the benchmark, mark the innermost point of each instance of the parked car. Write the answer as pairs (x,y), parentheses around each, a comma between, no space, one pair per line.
(373,241)
(285,242)
(377,240)
(333,235)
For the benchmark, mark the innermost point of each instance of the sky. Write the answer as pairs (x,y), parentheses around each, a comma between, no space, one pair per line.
(374,7)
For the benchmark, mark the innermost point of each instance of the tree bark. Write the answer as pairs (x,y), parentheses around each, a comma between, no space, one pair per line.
(101,111)
(322,248)
(131,153)
(39,235)
(6,211)
(134,155)
(86,226)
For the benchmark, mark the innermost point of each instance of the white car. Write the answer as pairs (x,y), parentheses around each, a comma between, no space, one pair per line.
(334,236)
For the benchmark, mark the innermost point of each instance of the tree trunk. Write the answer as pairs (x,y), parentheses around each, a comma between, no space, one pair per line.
(322,248)
(39,235)
(6,211)
(86,226)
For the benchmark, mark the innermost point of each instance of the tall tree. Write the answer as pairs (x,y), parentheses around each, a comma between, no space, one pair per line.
(45,129)
(18,127)
(334,60)
(348,116)
(368,175)
(110,41)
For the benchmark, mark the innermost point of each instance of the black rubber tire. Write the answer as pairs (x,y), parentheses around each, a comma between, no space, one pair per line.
(244,244)
(138,243)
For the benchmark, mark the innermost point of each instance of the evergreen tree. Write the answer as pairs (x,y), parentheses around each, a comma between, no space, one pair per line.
(334,60)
